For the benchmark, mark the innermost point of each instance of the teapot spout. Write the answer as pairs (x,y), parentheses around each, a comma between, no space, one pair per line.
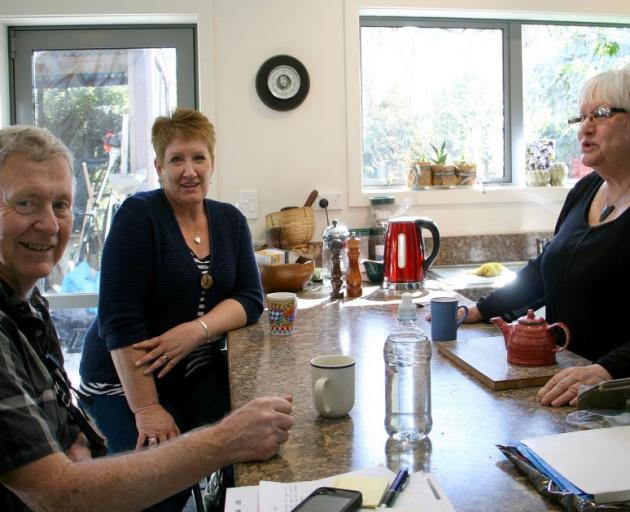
(501,324)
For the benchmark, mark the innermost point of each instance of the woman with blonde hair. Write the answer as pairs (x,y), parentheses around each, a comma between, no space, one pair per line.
(178,272)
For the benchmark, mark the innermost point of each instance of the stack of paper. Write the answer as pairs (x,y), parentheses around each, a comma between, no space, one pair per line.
(594,461)
(422,489)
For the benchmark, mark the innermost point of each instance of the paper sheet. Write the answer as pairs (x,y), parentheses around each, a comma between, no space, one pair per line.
(371,487)
(283,497)
(241,499)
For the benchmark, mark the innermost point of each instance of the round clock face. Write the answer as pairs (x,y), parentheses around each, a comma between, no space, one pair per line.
(282,82)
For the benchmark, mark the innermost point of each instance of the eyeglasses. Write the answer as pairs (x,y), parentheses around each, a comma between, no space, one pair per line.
(596,115)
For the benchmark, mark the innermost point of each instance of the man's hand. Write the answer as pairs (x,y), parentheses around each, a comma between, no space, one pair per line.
(259,428)
(563,387)
(80,449)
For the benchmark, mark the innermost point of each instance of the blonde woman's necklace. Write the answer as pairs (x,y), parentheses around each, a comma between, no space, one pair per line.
(197,238)
(610,206)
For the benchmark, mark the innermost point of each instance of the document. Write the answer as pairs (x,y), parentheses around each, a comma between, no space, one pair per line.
(595,461)
(422,489)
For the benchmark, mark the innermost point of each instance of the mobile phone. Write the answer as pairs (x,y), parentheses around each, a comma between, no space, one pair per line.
(330,499)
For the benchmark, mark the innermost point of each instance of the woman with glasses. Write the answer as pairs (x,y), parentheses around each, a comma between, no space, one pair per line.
(582,275)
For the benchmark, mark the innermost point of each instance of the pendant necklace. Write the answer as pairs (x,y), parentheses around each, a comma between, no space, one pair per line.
(609,207)
(197,238)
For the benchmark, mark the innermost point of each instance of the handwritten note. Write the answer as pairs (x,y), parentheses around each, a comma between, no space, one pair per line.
(284,497)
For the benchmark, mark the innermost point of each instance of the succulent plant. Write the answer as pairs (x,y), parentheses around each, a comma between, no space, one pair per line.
(440,154)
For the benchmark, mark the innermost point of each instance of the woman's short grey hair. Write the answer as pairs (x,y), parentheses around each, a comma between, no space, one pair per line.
(611,88)
(35,143)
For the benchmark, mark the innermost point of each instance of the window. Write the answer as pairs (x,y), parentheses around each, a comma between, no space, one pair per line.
(456,89)
(99,90)
(557,60)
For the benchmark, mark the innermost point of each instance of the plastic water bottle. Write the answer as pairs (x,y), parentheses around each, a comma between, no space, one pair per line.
(407,354)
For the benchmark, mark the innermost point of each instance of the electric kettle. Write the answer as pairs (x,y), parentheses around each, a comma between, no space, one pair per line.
(405,263)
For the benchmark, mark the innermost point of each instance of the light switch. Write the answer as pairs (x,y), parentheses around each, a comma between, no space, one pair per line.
(248,203)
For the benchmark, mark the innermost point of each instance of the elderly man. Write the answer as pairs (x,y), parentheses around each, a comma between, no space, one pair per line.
(46,444)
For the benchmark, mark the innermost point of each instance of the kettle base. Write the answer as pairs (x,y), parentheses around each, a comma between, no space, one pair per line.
(402,286)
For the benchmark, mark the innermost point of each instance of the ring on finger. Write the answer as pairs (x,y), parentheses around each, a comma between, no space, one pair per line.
(152,440)
(165,358)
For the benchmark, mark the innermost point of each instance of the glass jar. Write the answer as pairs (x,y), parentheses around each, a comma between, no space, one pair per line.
(363,234)
(382,209)
(376,248)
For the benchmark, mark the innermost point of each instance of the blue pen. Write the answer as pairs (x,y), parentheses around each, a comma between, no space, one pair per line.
(394,489)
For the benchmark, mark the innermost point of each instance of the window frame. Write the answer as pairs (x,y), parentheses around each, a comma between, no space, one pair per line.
(493,194)
(506,28)
(23,40)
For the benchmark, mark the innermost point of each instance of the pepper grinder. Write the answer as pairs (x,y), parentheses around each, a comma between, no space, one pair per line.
(353,275)
(336,245)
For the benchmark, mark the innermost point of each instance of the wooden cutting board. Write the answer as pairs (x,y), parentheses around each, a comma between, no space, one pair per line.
(486,360)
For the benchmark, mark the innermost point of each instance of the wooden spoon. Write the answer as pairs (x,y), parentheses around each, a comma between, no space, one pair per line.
(311,198)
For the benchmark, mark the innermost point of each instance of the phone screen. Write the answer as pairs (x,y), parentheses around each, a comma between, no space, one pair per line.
(325,503)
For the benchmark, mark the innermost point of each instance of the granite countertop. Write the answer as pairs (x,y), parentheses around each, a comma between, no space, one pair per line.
(468,418)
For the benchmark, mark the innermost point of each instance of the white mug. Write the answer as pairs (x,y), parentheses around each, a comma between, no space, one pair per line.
(333,385)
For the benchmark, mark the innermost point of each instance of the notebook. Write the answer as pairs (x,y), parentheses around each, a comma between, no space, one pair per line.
(597,461)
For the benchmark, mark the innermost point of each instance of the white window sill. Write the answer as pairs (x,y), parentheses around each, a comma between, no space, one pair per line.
(491,194)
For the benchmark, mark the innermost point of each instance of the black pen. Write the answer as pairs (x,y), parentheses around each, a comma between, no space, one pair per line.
(394,489)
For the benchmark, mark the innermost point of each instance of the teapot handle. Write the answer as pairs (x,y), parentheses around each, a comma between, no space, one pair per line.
(428,224)
(567,336)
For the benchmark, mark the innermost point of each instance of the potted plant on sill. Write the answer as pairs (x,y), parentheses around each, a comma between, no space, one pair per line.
(419,170)
(442,174)
(466,172)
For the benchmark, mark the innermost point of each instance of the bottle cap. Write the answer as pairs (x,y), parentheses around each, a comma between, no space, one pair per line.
(406,308)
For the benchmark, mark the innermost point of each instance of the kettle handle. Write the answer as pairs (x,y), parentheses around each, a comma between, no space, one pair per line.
(428,224)
(567,336)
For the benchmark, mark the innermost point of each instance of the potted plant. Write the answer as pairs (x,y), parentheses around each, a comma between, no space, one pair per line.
(442,174)
(419,169)
(466,171)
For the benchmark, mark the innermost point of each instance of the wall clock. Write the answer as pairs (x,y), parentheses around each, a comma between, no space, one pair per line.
(282,82)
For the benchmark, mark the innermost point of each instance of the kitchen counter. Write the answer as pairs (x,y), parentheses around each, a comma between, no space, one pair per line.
(468,418)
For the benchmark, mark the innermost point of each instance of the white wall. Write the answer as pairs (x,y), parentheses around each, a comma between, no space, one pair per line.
(284,155)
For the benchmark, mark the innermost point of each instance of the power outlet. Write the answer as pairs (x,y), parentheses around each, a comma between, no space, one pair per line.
(334,201)
(248,203)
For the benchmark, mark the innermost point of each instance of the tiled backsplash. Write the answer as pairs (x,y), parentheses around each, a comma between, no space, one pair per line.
(456,250)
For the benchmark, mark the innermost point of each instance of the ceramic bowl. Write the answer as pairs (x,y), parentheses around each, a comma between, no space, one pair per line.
(374,270)
(288,277)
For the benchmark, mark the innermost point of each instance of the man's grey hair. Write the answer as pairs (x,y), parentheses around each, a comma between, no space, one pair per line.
(35,143)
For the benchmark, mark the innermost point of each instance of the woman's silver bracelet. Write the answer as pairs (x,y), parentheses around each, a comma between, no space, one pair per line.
(205,329)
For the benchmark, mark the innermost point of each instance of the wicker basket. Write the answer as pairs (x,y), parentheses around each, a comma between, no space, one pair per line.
(296,225)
